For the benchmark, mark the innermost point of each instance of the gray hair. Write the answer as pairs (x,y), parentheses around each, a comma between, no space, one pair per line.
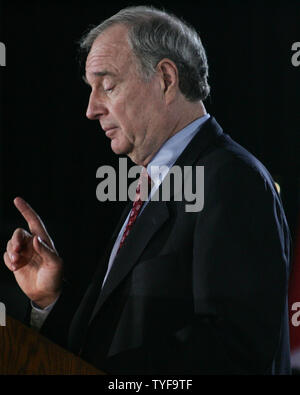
(154,35)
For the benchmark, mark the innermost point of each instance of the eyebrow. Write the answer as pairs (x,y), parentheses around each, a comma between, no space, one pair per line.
(98,74)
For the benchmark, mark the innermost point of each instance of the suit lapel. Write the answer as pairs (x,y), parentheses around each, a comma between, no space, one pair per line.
(153,217)
(155,214)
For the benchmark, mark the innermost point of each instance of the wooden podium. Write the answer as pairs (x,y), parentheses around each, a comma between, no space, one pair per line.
(24,351)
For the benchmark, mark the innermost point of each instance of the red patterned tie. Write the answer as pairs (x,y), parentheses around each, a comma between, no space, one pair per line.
(142,190)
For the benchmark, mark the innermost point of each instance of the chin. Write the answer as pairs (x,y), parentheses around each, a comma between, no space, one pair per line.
(118,148)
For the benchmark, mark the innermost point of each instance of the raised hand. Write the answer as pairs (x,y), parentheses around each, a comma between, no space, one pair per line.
(33,259)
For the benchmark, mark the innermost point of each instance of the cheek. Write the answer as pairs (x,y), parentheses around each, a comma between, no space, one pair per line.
(128,116)
(134,111)
(137,111)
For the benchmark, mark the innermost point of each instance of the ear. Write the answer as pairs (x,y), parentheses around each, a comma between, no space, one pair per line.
(169,81)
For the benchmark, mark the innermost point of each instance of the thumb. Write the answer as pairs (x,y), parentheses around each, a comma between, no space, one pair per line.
(42,248)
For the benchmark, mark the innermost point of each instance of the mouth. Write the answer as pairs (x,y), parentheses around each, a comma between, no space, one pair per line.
(110,131)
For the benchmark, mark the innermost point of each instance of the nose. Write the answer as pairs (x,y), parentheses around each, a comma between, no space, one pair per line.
(96,108)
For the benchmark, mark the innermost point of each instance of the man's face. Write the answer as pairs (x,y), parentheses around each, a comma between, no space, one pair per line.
(129,109)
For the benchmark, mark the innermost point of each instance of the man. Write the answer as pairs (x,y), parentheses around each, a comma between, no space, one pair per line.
(178,292)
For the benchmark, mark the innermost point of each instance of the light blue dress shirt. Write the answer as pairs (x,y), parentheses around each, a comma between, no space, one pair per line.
(159,167)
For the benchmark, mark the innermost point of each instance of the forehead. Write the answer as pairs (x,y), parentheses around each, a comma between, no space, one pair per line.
(110,52)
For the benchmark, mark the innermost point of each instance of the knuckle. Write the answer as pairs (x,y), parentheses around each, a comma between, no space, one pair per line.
(19,232)
(20,235)
(6,258)
(8,245)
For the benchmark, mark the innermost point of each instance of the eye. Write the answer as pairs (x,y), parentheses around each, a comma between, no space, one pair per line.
(109,90)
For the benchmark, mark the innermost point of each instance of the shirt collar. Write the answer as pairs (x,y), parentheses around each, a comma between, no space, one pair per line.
(170,151)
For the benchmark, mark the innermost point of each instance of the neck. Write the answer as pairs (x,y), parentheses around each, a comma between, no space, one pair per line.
(189,114)
(180,119)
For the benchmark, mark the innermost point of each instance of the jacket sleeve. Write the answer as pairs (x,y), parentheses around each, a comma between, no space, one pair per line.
(240,276)
(57,324)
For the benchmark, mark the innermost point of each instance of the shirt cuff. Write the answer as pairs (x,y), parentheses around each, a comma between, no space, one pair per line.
(38,315)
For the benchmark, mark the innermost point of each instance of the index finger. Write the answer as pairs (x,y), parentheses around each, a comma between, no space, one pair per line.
(34,222)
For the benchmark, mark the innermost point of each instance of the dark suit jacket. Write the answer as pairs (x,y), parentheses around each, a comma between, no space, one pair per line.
(202,292)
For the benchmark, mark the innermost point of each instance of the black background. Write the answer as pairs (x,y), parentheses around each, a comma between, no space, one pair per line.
(49,151)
